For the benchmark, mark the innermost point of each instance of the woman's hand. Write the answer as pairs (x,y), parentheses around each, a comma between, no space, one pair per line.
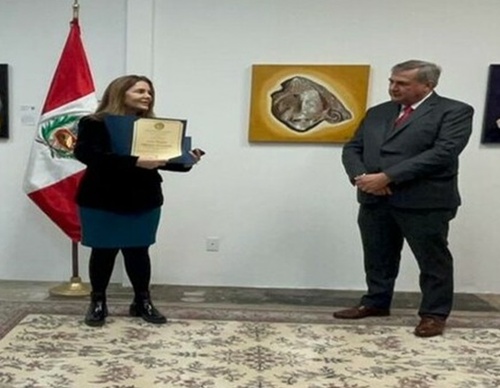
(149,164)
(197,154)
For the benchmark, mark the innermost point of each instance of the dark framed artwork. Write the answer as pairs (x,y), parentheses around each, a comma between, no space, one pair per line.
(491,121)
(4,101)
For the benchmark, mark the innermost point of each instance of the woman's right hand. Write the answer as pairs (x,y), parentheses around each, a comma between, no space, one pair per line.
(149,164)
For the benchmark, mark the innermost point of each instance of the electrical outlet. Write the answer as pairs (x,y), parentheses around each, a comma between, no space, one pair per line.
(212,244)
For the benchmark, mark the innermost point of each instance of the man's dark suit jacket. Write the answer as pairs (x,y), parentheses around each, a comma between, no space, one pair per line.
(420,156)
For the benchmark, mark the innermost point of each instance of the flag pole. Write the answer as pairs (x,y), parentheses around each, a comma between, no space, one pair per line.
(76,9)
(75,287)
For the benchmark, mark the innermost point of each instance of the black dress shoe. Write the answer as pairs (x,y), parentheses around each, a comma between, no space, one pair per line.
(146,311)
(360,312)
(96,314)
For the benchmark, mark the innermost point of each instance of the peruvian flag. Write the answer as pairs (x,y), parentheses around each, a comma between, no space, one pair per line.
(53,174)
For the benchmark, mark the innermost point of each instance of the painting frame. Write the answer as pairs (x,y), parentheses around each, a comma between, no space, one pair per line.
(4,101)
(491,121)
(339,89)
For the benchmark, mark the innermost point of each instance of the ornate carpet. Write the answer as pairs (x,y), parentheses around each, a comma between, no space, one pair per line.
(46,345)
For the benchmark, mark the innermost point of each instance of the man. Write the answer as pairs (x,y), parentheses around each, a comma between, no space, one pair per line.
(403,160)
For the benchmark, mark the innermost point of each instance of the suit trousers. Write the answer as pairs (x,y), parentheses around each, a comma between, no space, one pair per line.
(384,228)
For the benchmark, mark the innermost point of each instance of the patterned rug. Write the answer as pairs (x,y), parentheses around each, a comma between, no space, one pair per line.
(219,347)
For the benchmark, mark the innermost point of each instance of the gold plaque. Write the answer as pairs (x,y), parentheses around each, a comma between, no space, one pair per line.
(158,139)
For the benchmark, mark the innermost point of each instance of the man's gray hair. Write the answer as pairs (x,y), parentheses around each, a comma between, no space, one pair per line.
(428,73)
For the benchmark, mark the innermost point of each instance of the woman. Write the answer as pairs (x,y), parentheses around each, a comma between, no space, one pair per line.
(119,199)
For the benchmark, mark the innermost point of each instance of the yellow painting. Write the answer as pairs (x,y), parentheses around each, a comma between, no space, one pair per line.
(307,103)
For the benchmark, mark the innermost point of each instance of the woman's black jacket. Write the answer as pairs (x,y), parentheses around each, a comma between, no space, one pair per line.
(112,182)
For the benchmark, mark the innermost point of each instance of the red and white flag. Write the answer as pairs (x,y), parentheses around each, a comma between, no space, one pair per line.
(53,174)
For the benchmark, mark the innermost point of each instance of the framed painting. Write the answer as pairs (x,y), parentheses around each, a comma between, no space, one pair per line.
(491,120)
(307,103)
(4,101)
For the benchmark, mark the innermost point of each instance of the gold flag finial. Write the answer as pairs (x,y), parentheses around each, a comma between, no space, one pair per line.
(76,9)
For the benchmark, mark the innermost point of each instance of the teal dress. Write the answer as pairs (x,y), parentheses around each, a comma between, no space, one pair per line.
(104,229)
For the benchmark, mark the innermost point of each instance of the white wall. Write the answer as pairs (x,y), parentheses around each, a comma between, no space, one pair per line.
(32,35)
(285,213)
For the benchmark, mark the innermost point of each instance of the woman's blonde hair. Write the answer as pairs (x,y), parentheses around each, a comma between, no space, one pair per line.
(113,99)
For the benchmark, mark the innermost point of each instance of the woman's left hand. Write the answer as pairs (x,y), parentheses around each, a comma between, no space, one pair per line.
(197,154)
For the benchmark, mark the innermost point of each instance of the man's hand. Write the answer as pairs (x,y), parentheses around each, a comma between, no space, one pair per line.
(376,184)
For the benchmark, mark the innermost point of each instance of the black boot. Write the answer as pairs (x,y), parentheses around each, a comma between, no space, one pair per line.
(143,307)
(97,311)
